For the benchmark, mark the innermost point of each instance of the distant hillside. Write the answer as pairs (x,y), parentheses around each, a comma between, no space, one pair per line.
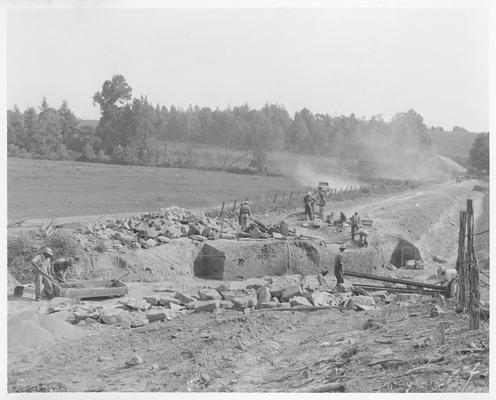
(453,144)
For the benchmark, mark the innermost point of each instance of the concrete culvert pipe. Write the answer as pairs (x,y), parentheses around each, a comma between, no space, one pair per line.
(403,252)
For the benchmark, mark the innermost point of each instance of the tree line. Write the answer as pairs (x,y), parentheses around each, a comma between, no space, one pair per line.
(134,131)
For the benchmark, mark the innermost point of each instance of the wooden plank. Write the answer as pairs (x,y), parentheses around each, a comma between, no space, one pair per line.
(85,293)
(91,284)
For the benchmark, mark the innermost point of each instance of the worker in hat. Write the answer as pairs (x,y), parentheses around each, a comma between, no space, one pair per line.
(60,267)
(321,202)
(338,266)
(244,216)
(42,269)
(355,222)
(308,202)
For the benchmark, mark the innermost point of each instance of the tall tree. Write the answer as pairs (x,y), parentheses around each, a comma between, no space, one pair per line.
(301,140)
(113,99)
(15,127)
(479,153)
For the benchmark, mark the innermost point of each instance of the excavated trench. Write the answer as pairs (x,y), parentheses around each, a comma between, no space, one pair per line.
(230,260)
(417,227)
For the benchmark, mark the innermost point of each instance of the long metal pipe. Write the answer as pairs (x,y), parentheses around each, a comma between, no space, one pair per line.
(393,280)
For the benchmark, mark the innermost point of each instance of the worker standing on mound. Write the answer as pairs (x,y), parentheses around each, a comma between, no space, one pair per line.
(321,202)
(338,267)
(355,222)
(42,270)
(309,201)
(244,215)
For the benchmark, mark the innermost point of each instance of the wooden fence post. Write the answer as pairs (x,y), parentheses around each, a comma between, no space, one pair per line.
(473,270)
(461,266)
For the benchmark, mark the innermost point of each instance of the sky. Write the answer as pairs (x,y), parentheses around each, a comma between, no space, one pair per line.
(335,61)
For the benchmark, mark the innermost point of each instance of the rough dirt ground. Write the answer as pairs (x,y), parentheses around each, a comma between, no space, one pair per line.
(267,351)
(401,350)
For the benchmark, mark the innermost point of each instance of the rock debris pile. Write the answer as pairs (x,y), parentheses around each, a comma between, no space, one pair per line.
(289,291)
(154,228)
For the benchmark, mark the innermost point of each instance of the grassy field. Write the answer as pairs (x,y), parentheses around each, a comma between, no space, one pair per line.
(39,188)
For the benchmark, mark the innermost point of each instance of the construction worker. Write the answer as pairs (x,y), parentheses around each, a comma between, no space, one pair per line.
(321,202)
(60,267)
(42,266)
(449,277)
(244,215)
(355,222)
(363,234)
(309,201)
(338,266)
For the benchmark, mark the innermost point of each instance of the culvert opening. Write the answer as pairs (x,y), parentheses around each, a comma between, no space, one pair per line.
(209,264)
(403,253)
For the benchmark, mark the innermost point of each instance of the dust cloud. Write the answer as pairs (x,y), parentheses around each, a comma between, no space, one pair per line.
(361,161)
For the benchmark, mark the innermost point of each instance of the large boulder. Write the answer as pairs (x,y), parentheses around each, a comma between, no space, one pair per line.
(299,301)
(160,315)
(263,294)
(310,283)
(361,303)
(322,298)
(206,306)
(279,283)
(209,294)
(291,291)
(183,298)
(242,302)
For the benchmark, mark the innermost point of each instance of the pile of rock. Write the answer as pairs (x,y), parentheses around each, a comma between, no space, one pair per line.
(276,292)
(156,228)
(130,312)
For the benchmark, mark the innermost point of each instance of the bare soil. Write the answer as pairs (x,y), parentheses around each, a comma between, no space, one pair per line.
(268,351)
(394,348)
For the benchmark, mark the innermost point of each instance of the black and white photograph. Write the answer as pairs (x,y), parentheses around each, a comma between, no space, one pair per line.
(280,197)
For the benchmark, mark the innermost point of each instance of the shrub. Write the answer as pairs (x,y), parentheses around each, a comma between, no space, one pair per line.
(100,246)
(102,157)
(123,155)
(63,244)
(20,250)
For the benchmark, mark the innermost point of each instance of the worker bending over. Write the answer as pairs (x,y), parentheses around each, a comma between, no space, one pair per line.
(362,240)
(60,267)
